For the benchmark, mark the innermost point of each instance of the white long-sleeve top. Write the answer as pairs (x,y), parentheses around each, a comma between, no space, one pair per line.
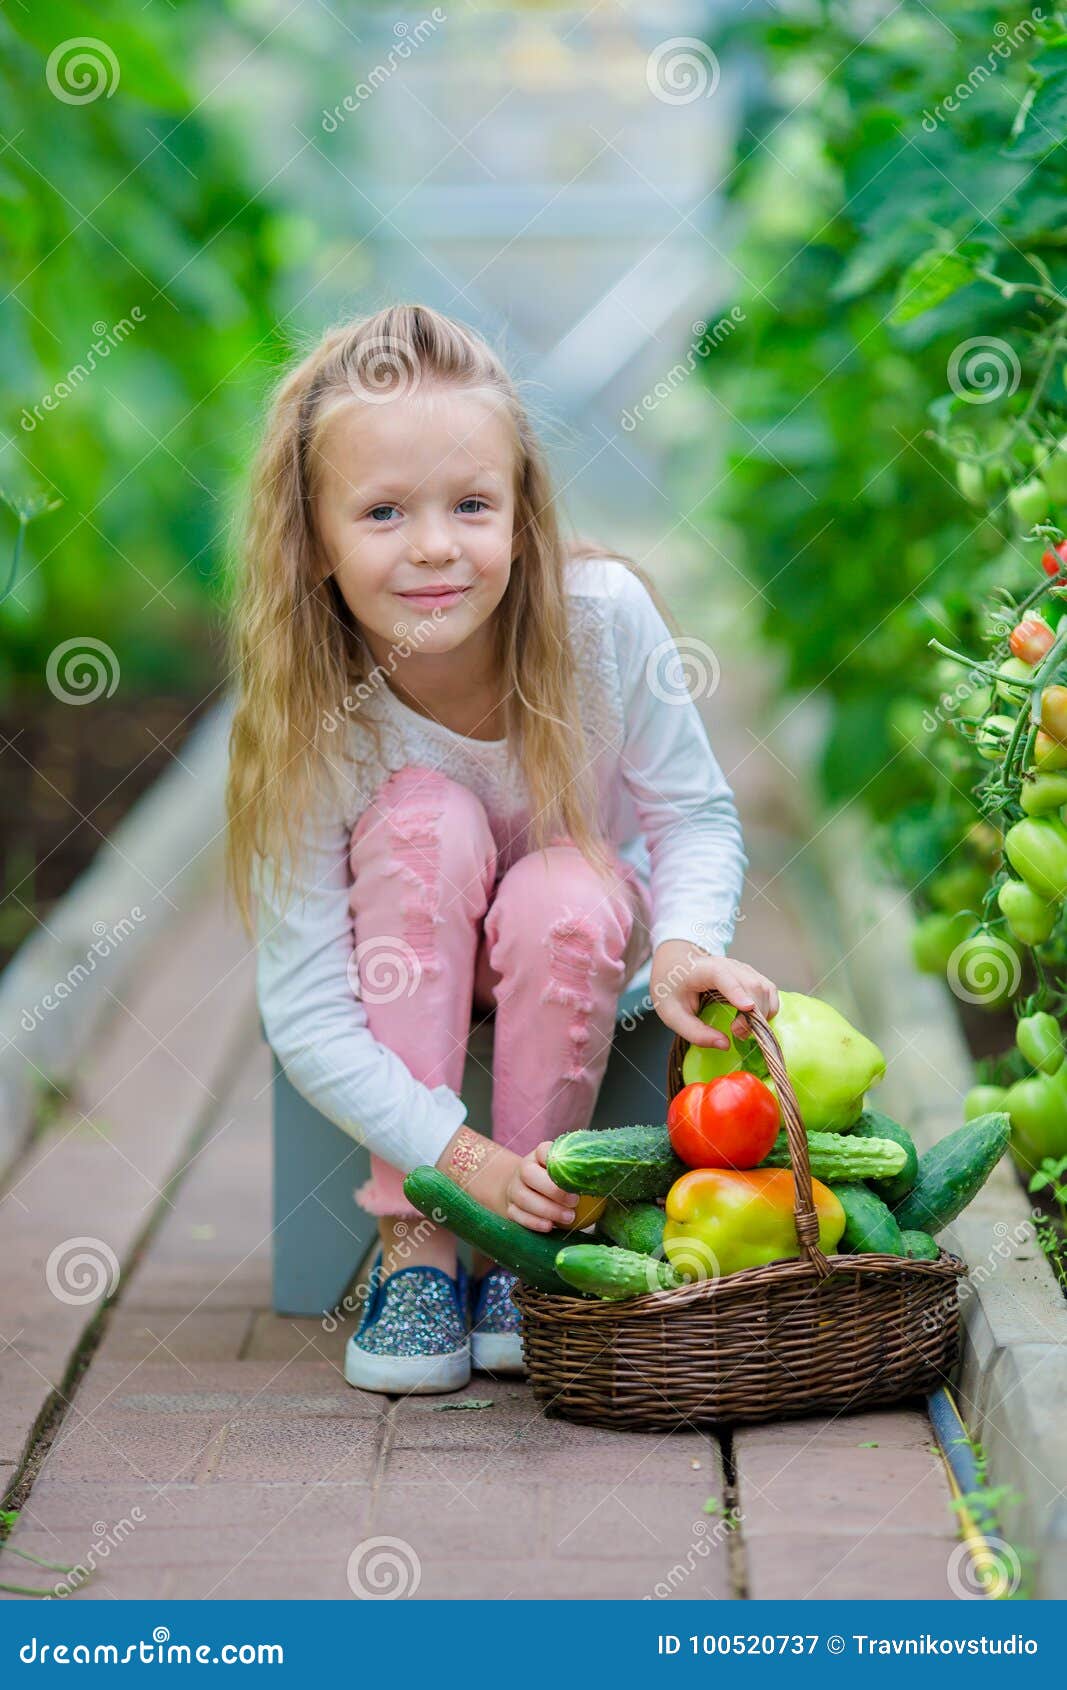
(664,803)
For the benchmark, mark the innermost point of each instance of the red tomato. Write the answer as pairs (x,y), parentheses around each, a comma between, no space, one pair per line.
(728,1122)
(1053,562)
(1030,639)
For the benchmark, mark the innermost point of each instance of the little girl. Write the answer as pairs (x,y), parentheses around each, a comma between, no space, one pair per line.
(458,783)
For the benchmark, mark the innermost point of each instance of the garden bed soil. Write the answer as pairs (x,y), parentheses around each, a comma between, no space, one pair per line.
(68,775)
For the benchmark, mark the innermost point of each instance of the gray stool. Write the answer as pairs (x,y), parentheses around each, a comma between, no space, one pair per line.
(320,1232)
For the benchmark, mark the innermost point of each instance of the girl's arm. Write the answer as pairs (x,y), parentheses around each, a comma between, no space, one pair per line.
(690,822)
(685,806)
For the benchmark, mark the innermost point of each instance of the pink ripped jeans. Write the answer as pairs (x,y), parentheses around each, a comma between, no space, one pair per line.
(551,951)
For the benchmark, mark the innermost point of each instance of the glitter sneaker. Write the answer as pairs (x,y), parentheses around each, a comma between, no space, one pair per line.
(413,1336)
(496,1342)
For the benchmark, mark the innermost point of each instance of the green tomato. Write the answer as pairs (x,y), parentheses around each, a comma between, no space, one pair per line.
(960,888)
(706,1062)
(993,737)
(1047,792)
(1036,848)
(1029,502)
(1038,1110)
(982,1100)
(970,479)
(1054,473)
(935,937)
(985,970)
(1030,917)
(910,721)
(975,707)
(1040,1039)
(1013,668)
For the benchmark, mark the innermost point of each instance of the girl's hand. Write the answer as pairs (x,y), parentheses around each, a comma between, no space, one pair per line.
(534,1199)
(681,971)
(515,1186)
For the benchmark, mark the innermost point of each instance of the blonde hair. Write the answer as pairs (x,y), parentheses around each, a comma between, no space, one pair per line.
(296,646)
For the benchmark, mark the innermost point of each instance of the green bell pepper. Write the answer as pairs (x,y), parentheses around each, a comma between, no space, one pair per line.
(830,1064)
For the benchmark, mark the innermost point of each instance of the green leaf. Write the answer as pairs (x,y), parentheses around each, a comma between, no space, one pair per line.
(930,279)
(1045,125)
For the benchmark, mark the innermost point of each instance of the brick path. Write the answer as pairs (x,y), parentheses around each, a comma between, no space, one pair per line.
(200,1446)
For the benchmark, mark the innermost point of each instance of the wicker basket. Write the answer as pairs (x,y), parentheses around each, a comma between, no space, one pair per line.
(795,1337)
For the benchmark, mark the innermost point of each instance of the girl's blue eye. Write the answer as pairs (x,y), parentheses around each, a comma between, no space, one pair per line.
(475,499)
(378,508)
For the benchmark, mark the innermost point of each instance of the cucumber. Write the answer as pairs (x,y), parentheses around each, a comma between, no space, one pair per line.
(840,1156)
(623,1162)
(631,1163)
(611,1274)
(891,1187)
(633,1226)
(919,1246)
(952,1171)
(531,1255)
(870,1226)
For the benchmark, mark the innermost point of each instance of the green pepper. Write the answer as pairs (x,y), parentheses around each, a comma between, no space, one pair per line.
(1038,1110)
(1037,850)
(707,1062)
(1047,792)
(830,1064)
(720,1220)
(1040,1038)
(983,1100)
(1030,917)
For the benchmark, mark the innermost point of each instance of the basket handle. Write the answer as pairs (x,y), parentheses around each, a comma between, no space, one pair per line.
(807,1221)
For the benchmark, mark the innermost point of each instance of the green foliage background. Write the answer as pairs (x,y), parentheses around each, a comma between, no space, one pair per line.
(144,198)
(856,179)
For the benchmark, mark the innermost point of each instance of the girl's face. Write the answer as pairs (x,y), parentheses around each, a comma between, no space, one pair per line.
(415,508)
